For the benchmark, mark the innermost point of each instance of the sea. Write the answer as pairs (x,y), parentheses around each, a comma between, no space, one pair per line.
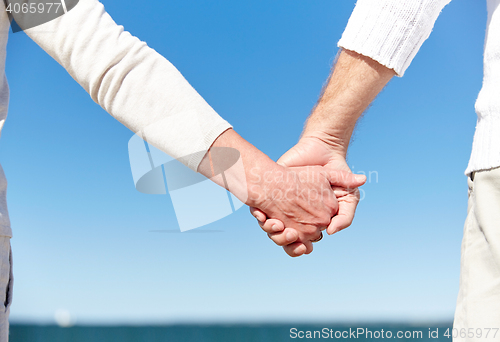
(234,333)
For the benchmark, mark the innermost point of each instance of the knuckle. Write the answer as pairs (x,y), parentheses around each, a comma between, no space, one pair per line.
(266,228)
(323,220)
(310,230)
(276,240)
(289,252)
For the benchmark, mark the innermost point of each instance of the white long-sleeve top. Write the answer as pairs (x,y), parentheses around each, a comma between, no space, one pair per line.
(131,81)
(392,31)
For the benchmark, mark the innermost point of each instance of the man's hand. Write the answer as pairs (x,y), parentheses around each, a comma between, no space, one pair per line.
(300,197)
(312,151)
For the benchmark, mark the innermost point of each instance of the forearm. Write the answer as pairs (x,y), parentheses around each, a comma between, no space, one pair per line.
(386,36)
(354,83)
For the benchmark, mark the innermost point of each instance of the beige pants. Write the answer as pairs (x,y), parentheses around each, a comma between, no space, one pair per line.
(477,317)
(6,283)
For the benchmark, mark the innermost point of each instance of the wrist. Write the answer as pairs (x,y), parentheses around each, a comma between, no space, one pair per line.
(332,125)
(331,144)
(238,166)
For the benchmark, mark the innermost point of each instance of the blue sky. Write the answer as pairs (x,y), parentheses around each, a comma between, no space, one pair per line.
(82,233)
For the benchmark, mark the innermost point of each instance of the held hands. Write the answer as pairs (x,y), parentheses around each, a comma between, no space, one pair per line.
(296,239)
(308,187)
(298,197)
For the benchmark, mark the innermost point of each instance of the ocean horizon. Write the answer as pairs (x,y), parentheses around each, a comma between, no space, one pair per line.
(232,332)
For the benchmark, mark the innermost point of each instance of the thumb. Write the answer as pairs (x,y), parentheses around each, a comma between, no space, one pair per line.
(345,179)
(289,159)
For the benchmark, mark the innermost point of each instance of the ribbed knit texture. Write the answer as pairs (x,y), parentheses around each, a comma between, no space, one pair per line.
(392,31)
(131,81)
(486,147)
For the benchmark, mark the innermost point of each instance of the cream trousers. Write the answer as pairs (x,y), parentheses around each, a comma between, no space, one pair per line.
(477,316)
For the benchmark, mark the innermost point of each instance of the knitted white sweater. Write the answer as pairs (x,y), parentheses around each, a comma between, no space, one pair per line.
(392,31)
(131,81)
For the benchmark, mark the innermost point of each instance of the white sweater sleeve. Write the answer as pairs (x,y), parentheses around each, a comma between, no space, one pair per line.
(391,31)
(131,81)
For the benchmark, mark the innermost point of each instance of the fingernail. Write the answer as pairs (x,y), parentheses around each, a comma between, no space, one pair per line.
(360,178)
(290,236)
(275,228)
